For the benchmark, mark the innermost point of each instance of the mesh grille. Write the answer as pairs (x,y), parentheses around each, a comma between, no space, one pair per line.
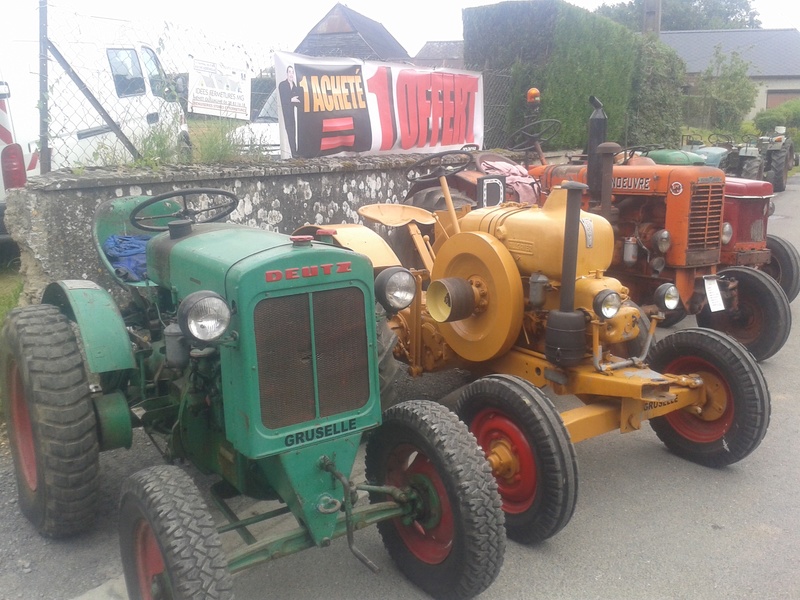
(289,348)
(705,218)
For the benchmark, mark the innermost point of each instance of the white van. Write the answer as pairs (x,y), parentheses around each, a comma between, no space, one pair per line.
(132,88)
(261,136)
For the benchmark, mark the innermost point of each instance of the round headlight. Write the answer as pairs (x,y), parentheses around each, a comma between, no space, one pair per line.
(662,240)
(607,304)
(727,232)
(667,297)
(395,288)
(204,316)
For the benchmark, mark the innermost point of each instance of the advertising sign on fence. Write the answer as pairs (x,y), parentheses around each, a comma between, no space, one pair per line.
(343,105)
(219,90)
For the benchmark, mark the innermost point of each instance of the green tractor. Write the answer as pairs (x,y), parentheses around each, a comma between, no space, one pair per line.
(256,357)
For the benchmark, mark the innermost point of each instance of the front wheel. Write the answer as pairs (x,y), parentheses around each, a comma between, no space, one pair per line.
(532,457)
(735,416)
(51,421)
(453,543)
(784,265)
(168,542)
(758,316)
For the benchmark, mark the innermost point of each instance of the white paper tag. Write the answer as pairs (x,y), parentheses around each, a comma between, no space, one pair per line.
(713,295)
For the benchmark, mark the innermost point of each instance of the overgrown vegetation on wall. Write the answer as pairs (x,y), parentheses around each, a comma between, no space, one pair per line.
(571,54)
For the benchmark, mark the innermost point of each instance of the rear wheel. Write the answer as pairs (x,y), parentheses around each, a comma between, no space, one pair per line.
(784,265)
(168,542)
(751,168)
(760,316)
(736,413)
(453,543)
(781,163)
(51,421)
(532,457)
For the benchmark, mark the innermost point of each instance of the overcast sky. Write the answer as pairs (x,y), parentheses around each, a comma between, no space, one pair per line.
(411,22)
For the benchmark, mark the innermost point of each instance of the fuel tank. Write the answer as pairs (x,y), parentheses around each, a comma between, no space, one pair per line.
(535,236)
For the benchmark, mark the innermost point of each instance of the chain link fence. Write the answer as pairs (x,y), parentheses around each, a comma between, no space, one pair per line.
(121,91)
(118,91)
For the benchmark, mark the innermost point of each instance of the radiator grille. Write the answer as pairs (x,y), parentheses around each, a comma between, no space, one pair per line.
(705,217)
(296,335)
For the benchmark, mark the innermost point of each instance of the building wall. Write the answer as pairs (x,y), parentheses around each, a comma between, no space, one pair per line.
(772,92)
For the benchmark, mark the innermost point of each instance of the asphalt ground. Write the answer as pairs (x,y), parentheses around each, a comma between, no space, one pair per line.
(648,525)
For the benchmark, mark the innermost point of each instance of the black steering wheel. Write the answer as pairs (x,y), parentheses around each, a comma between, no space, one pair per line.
(213,212)
(720,138)
(441,164)
(750,139)
(526,138)
(629,153)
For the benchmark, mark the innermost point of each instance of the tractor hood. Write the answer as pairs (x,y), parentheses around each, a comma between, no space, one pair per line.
(735,187)
(217,256)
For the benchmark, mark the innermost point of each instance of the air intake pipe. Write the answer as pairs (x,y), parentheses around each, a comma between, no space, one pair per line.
(565,336)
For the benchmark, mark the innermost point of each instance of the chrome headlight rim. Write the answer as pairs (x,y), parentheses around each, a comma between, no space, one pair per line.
(662,240)
(606,304)
(395,289)
(667,297)
(204,316)
(727,233)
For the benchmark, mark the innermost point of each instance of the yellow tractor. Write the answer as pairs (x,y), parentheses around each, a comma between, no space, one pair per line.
(517,294)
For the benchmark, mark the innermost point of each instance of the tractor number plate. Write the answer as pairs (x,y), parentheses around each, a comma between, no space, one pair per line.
(713,295)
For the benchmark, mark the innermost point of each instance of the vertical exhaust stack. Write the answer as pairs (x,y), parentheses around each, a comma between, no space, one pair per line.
(565,335)
(598,126)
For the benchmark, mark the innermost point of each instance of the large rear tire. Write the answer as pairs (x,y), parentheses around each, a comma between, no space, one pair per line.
(752,168)
(781,163)
(762,320)
(51,421)
(533,459)
(784,265)
(455,544)
(735,417)
(168,542)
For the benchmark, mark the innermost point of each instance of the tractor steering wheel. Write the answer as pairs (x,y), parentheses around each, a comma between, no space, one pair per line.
(715,139)
(436,165)
(218,210)
(749,139)
(629,153)
(527,137)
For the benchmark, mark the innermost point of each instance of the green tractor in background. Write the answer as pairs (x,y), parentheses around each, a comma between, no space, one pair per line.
(258,357)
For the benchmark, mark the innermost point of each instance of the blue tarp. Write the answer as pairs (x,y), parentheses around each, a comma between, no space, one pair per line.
(126,253)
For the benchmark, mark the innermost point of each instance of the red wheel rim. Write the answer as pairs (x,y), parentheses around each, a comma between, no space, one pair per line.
(516,474)
(149,561)
(23,430)
(430,536)
(690,426)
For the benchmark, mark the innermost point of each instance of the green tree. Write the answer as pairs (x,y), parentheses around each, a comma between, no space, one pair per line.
(686,15)
(727,92)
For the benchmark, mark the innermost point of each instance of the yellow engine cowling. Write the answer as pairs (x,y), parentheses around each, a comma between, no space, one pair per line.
(535,236)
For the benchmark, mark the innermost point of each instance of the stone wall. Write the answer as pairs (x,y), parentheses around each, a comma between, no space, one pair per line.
(51,219)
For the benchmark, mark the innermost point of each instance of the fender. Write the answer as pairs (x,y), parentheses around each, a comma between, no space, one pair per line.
(100,325)
(358,238)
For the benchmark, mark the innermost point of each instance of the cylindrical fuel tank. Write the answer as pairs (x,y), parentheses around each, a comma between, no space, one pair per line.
(535,236)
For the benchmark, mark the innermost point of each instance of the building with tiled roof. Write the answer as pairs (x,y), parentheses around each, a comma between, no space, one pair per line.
(344,32)
(773,56)
(441,54)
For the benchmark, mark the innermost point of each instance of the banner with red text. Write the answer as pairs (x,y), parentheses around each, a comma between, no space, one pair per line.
(346,105)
